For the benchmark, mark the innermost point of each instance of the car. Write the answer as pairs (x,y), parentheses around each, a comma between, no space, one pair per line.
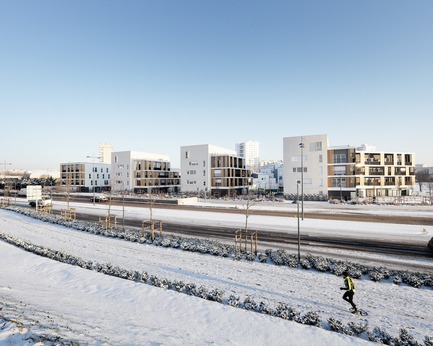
(45,201)
(99,198)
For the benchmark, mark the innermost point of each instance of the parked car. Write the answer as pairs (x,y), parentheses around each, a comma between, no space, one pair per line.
(99,198)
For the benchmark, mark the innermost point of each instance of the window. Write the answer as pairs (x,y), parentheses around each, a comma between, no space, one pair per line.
(316,146)
(320,158)
(186,154)
(340,158)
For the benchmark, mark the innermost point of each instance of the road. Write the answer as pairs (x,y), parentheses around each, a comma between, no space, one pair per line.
(273,238)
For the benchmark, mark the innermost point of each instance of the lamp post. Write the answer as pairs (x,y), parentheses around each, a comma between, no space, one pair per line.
(301,145)
(123,204)
(93,174)
(299,230)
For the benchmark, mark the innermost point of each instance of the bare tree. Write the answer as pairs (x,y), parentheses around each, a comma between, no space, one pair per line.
(422,176)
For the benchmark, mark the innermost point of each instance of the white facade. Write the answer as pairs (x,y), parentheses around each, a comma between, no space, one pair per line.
(122,163)
(195,166)
(312,159)
(105,151)
(250,150)
(265,182)
(275,170)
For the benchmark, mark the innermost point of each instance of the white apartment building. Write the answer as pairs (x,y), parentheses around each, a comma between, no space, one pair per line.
(275,170)
(250,151)
(210,169)
(86,176)
(263,182)
(143,172)
(305,163)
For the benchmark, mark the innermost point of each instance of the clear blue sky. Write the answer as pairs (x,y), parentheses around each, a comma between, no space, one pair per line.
(155,75)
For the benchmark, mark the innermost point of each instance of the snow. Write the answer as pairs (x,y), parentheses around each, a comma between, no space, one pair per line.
(39,296)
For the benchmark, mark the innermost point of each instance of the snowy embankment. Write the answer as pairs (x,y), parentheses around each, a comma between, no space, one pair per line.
(306,293)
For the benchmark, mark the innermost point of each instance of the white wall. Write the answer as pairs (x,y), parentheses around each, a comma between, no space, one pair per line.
(314,163)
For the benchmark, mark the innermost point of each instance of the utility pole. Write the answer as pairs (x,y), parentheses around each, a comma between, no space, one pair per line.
(301,145)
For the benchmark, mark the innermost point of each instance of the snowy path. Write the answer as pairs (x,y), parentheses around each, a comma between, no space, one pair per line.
(389,306)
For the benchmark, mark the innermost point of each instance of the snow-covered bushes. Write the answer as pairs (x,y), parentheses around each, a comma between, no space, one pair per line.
(380,336)
(338,326)
(282,310)
(212,247)
(281,257)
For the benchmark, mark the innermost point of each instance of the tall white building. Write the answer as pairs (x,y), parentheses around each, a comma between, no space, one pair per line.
(105,151)
(211,169)
(305,162)
(250,151)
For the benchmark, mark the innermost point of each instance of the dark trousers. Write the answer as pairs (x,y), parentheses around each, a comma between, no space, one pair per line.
(348,297)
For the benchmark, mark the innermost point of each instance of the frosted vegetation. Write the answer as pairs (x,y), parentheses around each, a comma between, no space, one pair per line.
(211,247)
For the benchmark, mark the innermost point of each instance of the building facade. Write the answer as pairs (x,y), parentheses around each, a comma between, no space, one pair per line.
(210,169)
(363,172)
(105,151)
(305,164)
(86,176)
(143,173)
(250,151)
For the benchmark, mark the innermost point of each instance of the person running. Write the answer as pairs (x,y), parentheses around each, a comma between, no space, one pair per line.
(350,290)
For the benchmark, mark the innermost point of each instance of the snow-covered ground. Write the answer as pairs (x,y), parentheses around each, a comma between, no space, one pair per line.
(45,297)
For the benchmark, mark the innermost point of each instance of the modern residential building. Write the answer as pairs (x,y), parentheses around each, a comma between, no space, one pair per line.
(264,183)
(275,170)
(210,169)
(305,164)
(345,172)
(365,172)
(143,173)
(250,151)
(86,176)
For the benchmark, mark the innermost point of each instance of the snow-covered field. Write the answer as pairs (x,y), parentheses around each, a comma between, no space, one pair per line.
(39,296)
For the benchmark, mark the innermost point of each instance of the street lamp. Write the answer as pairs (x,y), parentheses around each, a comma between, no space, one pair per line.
(301,145)
(93,174)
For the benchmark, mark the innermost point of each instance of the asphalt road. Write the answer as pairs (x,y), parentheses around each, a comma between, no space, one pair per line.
(282,239)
